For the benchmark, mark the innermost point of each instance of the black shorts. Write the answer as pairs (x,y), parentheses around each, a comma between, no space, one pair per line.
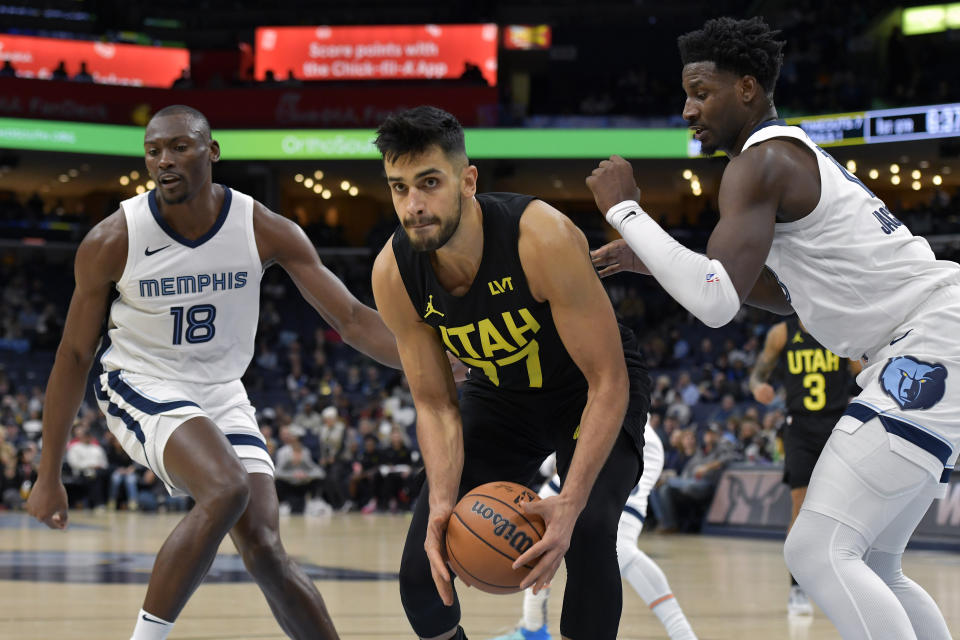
(803,439)
(506,436)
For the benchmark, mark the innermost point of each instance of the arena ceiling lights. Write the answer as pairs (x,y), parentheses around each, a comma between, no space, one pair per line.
(932,18)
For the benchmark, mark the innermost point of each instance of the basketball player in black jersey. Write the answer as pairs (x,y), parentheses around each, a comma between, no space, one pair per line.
(818,389)
(504,282)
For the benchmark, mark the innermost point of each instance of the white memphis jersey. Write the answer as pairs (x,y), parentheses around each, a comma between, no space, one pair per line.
(852,271)
(187,309)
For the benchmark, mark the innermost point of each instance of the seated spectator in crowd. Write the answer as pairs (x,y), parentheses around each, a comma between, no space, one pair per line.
(88,463)
(83,75)
(687,391)
(683,500)
(19,473)
(755,446)
(365,481)
(152,495)
(398,465)
(727,409)
(298,477)
(60,73)
(184,81)
(7,71)
(123,473)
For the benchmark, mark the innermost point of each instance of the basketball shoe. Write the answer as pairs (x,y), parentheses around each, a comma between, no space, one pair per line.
(798,604)
(522,634)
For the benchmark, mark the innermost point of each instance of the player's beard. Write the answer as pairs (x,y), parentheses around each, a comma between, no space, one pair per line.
(444,233)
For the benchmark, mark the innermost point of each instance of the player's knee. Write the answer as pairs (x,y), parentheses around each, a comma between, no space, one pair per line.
(262,550)
(415,577)
(806,551)
(627,551)
(229,495)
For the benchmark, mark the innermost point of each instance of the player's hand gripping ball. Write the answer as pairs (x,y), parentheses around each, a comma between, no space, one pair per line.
(488,531)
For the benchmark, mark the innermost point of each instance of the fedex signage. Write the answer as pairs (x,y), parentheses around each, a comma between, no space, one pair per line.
(108,62)
(406,52)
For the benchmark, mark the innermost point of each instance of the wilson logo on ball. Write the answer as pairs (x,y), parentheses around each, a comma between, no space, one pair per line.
(503,527)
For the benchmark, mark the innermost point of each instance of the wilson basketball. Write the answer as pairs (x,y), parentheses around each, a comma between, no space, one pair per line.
(488,531)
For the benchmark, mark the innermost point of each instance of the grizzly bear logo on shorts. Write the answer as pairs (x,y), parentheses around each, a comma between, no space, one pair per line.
(914,384)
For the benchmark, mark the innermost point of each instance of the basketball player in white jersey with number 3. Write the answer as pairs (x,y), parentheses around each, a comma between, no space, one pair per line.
(797,232)
(186,260)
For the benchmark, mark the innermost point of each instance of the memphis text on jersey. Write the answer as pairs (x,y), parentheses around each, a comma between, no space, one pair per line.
(200,283)
(480,344)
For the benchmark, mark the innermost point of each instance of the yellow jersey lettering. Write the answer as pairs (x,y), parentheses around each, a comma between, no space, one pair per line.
(491,340)
(462,333)
(532,354)
(446,341)
(819,362)
(833,361)
(530,324)
(502,286)
(794,362)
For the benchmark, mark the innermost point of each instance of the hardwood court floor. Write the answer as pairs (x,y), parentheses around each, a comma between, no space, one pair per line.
(89,583)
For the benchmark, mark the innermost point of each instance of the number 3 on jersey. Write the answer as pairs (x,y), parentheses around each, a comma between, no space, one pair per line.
(199,323)
(817,385)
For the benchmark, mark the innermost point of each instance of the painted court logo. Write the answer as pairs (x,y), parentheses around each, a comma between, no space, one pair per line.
(914,384)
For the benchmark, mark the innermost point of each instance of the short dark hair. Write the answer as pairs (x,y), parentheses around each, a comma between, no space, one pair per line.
(745,47)
(190,112)
(413,131)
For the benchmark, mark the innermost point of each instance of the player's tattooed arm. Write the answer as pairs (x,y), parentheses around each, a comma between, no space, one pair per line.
(766,362)
(283,241)
(99,263)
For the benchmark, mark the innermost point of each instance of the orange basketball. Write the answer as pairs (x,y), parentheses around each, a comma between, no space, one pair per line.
(488,531)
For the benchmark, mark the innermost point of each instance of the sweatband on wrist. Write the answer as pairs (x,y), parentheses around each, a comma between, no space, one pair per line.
(699,283)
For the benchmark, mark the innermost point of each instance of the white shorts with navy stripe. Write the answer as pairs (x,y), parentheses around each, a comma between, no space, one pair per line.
(143,411)
(635,510)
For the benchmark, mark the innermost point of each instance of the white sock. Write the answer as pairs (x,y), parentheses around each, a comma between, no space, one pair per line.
(534,609)
(673,620)
(646,577)
(150,627)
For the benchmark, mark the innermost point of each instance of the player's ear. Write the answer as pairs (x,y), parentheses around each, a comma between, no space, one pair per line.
(214,151)
(468,181)
(747,88)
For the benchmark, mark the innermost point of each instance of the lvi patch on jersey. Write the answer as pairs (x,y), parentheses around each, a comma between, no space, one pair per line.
(914,384)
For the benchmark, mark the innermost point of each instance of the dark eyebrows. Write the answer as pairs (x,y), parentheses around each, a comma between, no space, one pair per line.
(419,175)
(160,141)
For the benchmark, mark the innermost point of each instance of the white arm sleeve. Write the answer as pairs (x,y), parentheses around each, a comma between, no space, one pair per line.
(698,283)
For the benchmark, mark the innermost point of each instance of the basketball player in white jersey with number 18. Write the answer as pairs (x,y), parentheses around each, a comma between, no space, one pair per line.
(798,232)
(186,260)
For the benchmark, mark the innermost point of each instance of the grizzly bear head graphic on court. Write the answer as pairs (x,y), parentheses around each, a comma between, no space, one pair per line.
(914,384)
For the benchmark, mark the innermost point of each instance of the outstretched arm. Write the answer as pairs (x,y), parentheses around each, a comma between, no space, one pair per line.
(766,362)
(283,241)
(99,263)
(711,286)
